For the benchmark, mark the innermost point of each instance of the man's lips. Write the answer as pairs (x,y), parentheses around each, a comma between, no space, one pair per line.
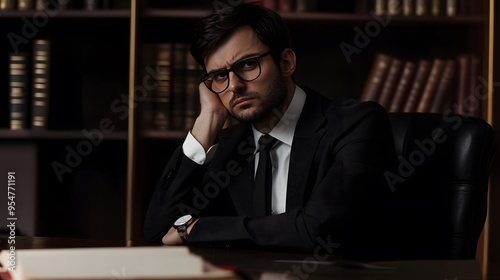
(241,100)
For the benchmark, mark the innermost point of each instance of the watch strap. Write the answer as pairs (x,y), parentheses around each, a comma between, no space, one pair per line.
(182,231)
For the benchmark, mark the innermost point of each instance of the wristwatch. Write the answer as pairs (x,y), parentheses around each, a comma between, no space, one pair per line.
(181,226)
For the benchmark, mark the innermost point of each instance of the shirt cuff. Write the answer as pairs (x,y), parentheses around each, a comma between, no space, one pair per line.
(195,151)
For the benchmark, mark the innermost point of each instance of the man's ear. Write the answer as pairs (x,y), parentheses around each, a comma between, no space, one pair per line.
(287,62)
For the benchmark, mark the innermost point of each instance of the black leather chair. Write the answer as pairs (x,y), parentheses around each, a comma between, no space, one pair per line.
(440,184)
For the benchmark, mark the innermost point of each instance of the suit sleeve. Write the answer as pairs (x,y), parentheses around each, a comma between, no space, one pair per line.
(358,164)
(177,193)
(172,193)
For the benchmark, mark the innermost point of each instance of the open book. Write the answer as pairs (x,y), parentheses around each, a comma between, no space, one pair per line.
(108,263)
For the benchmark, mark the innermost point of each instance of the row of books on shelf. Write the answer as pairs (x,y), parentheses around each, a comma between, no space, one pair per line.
(171,104)
(29,84)
(288,6)
(435,84)
(39,5)
(379,7)
(174,103)
(426,85)
(426,7)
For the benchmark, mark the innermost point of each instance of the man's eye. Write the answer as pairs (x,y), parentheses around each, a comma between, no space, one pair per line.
(246,65)
(250,64)
(219,76)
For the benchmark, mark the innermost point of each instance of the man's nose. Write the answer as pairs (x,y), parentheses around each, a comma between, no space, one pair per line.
(235,83)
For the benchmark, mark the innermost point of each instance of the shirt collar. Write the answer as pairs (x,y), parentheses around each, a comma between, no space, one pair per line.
(285,128)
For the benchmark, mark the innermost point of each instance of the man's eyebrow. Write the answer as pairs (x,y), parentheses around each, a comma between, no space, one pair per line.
(216,70)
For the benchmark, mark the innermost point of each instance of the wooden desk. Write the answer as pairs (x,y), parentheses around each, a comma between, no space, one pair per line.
(256,264)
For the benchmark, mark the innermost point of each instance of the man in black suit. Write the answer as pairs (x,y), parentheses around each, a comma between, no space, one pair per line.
(327,162)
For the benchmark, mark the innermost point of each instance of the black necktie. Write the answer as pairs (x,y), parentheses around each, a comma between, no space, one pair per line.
(263,178)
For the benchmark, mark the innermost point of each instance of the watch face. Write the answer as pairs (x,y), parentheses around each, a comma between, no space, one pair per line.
(182,220)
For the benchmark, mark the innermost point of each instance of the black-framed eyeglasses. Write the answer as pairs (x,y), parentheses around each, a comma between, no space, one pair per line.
(247,69)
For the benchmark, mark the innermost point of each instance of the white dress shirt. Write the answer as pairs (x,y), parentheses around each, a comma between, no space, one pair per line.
(280,153)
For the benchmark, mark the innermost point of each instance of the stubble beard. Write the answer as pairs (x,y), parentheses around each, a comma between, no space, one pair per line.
(276,95)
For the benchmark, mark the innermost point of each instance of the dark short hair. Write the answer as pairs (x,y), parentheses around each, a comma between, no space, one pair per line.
(214,29)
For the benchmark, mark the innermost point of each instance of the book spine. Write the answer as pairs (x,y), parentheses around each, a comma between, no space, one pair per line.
(41,85)
(443,91)
(403,87)
(421,7)
(91,5)
(162,109)
(18,82)
(25,5)
(380,8)
(7,5)
(376,78)
(39,5)
(64,5)
(451,7)
(431,86)
(394,7)
(390,83)
(436,7)
(408,7)
(178,85)
(417,87)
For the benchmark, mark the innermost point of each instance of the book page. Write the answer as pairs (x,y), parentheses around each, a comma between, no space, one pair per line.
(111,263)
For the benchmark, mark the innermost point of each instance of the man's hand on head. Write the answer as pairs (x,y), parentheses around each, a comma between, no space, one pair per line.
(212,117)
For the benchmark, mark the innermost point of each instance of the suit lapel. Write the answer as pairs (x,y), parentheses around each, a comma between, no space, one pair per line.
(309,131)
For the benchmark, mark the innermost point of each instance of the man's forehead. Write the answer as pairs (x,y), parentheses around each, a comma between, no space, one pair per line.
(241,43)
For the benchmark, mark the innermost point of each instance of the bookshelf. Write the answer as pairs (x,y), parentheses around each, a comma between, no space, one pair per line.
(99,57)
(72,173)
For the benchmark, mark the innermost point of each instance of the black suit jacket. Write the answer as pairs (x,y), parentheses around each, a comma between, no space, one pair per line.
(335,191)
